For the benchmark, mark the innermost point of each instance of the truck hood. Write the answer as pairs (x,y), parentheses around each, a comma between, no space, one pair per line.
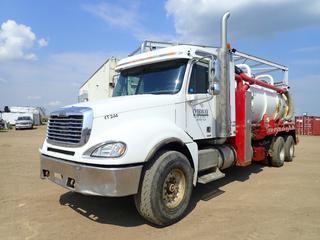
(126,103)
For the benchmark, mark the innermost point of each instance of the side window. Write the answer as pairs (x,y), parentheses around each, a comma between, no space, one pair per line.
(199,82)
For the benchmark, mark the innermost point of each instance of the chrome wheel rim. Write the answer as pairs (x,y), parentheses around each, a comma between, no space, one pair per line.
(174,188)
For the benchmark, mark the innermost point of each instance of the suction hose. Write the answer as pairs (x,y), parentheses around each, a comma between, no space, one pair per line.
(290,112)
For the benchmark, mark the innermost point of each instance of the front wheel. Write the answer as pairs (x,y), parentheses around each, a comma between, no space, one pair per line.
(166,187)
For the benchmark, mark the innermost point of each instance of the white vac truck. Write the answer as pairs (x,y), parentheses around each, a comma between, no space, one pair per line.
(179,115)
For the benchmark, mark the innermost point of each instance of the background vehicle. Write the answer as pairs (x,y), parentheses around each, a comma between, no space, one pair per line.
(2,124)
(11,114)
(179,115)
(24,122)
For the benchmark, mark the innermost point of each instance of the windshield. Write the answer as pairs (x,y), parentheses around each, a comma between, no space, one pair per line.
(159,78)
(24,118)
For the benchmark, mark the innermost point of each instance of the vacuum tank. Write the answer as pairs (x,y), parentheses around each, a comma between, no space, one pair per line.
(277,106)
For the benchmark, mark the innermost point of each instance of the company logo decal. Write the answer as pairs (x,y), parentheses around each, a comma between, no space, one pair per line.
(200,112)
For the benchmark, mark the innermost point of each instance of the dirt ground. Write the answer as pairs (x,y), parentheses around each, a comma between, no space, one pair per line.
(250,203)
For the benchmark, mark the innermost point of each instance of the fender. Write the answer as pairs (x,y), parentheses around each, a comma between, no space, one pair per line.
(144,138)
(191,149)
(163,143)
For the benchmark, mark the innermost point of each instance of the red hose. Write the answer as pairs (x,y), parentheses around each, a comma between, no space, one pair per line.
(253,81)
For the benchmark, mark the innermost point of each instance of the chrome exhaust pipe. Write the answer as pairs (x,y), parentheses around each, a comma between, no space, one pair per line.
(223,126)
(224,33)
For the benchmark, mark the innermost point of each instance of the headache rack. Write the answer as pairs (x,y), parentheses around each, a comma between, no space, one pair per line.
(275,73)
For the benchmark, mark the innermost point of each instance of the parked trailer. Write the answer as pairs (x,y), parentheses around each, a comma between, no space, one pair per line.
(100,85)
(180,114)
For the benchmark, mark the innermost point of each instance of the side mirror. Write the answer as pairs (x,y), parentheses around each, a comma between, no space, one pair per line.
(114,80)
(213,72)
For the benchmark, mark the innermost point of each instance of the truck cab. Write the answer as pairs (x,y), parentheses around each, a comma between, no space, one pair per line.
(159,105)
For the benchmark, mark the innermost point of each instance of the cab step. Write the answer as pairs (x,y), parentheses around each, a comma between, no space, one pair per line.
(210,177)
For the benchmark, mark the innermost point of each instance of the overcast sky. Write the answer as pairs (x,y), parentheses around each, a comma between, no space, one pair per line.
(49,48)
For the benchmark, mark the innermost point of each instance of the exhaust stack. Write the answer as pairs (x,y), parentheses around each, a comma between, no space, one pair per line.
(224,33)
(223,129)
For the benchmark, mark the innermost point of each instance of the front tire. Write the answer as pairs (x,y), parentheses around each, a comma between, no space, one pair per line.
(165,190)
(278,152)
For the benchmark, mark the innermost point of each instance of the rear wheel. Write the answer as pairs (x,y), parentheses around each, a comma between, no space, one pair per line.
(289,149)
(166,187)
(278,152)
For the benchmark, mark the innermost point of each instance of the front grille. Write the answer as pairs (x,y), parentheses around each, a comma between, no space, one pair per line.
(65,129)
(23,123)
(70,127)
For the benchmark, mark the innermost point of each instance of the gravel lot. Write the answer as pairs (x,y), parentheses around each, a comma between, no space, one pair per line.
(251,203)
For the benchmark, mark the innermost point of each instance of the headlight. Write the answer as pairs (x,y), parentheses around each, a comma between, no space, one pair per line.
(109,150)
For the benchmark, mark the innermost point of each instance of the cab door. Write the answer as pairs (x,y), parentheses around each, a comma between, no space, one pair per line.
(199,104)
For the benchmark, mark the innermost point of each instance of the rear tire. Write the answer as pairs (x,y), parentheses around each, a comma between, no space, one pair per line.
(278,152)
(165,190)
(289,149)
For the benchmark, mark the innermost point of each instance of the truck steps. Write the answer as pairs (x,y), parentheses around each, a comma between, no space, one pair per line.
(210,177)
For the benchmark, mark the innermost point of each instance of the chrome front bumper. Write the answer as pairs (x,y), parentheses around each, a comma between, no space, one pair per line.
(91,180)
